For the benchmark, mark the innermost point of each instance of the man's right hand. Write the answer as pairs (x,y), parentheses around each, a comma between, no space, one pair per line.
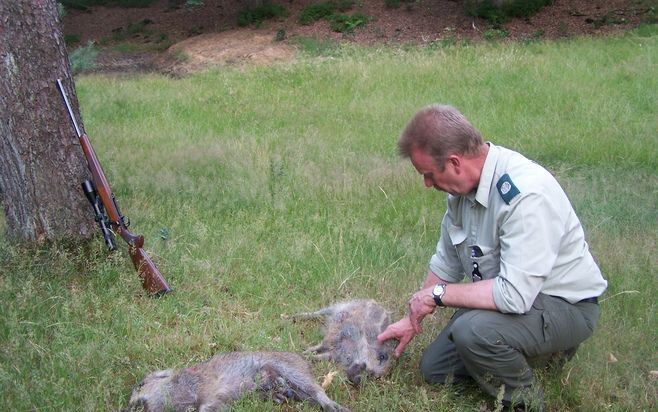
(401,330)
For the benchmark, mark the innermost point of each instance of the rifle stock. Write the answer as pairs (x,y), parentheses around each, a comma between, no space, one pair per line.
(152,279)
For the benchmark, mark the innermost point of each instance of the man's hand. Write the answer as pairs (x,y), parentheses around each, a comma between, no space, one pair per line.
(400,330)
(421,304)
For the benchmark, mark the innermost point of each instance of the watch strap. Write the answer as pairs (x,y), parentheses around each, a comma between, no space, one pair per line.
(437,298)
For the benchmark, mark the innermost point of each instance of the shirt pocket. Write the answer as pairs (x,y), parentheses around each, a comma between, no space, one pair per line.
(486,266)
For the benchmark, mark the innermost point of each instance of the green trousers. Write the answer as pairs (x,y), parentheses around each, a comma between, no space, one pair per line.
(497,349)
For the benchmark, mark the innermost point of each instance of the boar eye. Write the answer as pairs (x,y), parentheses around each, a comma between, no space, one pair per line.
(383,357)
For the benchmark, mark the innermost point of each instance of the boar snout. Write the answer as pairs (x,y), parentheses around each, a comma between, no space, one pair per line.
(354,373)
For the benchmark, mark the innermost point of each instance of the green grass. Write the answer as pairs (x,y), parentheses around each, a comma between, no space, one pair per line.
(279,189)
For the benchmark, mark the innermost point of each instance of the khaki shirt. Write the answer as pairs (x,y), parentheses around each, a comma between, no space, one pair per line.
(519,228)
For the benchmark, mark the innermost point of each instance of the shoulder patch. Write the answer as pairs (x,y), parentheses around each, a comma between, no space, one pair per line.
(506,188)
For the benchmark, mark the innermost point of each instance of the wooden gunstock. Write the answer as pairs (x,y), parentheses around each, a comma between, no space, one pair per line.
(152,280)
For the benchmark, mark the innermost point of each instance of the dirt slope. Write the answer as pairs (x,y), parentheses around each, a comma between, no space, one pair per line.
(209,34)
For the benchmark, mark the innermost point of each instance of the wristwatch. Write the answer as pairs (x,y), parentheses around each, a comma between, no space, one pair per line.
(437,293)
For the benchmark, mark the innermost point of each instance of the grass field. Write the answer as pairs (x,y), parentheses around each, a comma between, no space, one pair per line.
(264,191)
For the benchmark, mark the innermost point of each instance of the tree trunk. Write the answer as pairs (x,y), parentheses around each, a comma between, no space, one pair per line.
(42,162)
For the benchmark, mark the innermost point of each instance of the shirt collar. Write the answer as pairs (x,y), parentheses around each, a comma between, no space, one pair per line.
(487,175)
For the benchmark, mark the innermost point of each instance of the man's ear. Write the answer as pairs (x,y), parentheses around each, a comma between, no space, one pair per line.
(456,163)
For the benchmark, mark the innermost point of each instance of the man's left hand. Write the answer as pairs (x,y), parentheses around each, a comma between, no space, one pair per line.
(421,304)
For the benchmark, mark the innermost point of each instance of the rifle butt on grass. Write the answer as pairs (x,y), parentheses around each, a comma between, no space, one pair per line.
(109,217)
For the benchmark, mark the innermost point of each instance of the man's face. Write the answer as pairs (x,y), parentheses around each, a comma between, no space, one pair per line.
(445,181)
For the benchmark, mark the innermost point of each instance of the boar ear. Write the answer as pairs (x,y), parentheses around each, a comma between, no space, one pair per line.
(391,344)
(161,374)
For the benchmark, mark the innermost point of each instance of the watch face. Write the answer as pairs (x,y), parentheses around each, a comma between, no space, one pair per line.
(437,294)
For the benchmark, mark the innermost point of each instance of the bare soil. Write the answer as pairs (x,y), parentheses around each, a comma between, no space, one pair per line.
(180,40)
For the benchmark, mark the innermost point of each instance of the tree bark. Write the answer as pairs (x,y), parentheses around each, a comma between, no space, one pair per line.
(42,162)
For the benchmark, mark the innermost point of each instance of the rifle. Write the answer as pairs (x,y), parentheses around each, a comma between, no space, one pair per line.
(109,217)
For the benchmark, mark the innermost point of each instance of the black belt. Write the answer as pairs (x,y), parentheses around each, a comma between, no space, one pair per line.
(587,300)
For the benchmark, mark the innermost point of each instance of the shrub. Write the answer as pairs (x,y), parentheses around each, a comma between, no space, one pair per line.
(134,3)
(139,27)
(71,39)
(61,10)
(261,13)
(343,23)
(498,11)
(83,58)
(495,34)
(85,4)
(345,5)
(647,30)
(324,10)
(394,4)
(177,4)
(315,12)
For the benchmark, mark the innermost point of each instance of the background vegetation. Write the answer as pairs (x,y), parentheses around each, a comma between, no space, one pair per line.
(265,191)
(499,11)
(87,4)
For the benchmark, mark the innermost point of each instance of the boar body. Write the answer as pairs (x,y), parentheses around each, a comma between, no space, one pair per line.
(215,384)
(350,338)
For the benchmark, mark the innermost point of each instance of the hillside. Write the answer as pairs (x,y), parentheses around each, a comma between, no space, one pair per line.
(135,38)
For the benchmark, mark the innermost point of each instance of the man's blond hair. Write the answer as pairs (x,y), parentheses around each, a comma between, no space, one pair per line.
(440,131)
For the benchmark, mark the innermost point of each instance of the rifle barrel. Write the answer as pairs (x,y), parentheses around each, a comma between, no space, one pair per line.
(68,107)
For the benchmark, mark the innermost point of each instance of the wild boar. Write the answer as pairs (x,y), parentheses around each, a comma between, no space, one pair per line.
(350,338)
(213,385)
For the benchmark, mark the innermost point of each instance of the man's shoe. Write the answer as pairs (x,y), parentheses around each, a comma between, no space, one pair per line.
(526,399)
(553,362)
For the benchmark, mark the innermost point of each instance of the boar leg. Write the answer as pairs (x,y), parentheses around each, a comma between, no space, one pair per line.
(305,387)
(324,312)
(317,349)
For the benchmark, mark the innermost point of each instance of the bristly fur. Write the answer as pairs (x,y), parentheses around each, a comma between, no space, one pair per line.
(350,338)
(215,384)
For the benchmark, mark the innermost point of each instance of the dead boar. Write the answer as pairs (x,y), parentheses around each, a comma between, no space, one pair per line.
(350,338)
(213,385)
